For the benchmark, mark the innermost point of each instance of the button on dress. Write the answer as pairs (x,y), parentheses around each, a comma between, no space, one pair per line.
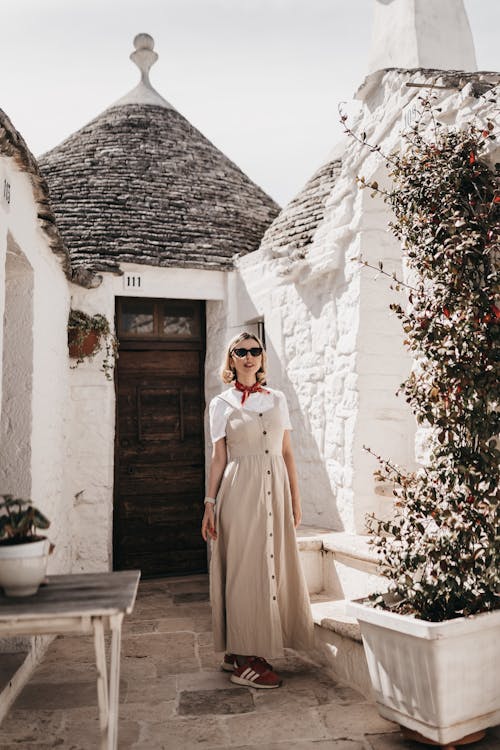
(259,597)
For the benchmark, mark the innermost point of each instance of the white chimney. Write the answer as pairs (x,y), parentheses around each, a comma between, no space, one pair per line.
(421,34)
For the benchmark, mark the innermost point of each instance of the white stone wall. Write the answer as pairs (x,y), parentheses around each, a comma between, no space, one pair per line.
(17,374)
(34,305)
(309,346)
(90,457)
(34,300)
(90,447)
(334,346)
(4,228)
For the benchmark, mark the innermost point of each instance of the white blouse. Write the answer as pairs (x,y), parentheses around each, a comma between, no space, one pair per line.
(220,409)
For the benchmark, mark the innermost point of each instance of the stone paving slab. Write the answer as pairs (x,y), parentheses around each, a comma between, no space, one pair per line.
(174,695)
(209,702)
(309,745)
(396,742)
(59,695)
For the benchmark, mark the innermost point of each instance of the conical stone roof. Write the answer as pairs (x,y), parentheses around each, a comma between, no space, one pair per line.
(140,184)
(293,229)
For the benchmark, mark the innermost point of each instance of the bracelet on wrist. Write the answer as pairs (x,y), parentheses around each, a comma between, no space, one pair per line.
(209,501)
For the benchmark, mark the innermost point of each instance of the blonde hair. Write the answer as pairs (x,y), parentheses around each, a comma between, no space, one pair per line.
(228,373)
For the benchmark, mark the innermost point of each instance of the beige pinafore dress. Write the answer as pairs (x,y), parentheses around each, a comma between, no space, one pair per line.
(259,597)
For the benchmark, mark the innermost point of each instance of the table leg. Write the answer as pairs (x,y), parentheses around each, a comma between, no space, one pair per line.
(115,623)
(102,679)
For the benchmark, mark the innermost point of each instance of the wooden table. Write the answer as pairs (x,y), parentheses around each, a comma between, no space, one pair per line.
(81,605)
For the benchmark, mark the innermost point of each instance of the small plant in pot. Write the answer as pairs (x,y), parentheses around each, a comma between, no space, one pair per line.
(23,552)
(433,643)
(86,336)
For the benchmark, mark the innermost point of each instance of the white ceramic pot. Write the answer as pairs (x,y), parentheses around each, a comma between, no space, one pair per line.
(23,567)
(441,679)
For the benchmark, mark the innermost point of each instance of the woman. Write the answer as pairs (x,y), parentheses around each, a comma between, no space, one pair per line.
(260,603)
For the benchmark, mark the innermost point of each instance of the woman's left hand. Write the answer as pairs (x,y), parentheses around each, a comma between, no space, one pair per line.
(208,530)
(297,515)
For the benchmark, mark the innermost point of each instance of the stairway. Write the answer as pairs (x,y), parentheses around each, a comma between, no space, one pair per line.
(338,567)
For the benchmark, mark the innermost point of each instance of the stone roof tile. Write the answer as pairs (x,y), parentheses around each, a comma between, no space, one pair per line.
(293,229)
(140,184)
(13,145)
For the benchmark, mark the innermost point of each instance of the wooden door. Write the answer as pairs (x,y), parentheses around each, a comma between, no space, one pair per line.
(159,455)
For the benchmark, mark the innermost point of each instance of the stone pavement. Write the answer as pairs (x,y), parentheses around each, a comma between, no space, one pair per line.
(174,696)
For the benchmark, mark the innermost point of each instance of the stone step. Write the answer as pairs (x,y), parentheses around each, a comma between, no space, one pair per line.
(339,567)
(310,545)
(331,615)
(338,644)
(336,563)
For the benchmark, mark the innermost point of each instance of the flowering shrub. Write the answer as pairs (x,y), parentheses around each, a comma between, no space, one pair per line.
(441,549)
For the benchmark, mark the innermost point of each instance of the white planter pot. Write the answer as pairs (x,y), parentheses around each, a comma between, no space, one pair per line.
(441,679)
(23,567)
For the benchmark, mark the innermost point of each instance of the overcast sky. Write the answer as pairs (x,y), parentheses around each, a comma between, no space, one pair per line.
(260,78)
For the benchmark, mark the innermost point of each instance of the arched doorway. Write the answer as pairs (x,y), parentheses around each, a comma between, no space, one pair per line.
(17,374)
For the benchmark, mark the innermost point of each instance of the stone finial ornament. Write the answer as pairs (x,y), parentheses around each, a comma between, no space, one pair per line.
(144,57)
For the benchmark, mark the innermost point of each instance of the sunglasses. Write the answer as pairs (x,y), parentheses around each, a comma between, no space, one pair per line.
(255,351)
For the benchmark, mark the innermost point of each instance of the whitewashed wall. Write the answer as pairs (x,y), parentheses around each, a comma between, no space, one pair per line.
(17,373)
(90,458)
(421,33)
(34,362)
(334,346)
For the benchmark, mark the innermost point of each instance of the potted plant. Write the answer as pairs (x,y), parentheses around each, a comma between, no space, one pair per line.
(433,643)
(86,334)
(23,553)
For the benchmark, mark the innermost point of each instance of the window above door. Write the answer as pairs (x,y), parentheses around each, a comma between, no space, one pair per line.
(159,320)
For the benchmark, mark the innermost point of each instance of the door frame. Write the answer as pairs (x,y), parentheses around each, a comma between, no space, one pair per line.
(155,344)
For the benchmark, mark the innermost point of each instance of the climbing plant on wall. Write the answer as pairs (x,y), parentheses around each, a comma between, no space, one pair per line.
(441,549)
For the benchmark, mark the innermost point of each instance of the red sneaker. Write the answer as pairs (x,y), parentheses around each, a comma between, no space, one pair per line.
(256,674)
(228,663)
(263,661)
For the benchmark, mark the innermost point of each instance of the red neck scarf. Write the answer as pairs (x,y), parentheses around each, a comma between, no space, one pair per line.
(248,389)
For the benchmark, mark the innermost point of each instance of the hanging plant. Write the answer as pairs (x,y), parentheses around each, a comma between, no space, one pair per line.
(441,549)
(86,336)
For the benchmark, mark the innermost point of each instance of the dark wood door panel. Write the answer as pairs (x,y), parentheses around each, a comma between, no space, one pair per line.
(166,494)
(160,408)
(161,511)
(164,538)
(179,363)
(161,466)
(189,451)
(159,461)
(182,562)
(166,489)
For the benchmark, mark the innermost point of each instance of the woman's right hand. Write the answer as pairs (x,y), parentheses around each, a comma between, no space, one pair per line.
(208,523)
